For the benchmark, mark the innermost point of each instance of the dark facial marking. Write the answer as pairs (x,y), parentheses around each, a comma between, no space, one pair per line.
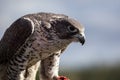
(64,29)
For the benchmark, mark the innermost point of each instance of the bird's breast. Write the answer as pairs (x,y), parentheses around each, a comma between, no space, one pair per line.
(39,47)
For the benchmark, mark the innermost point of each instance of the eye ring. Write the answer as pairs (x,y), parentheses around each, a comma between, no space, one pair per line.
(72,29)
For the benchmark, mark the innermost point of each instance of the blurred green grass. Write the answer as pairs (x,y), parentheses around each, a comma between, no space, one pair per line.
(94,74)
(102,73)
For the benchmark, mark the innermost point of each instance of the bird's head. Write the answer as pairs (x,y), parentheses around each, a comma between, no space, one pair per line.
(69,29)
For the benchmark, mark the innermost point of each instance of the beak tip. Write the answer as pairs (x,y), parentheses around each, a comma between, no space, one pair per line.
(82,40)
(82,43)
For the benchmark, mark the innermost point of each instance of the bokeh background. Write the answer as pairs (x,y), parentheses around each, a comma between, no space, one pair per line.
(99,58)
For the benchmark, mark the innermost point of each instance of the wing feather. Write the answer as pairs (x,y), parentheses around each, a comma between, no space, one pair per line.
(14,38)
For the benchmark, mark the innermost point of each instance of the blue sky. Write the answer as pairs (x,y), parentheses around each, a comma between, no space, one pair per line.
(101,19)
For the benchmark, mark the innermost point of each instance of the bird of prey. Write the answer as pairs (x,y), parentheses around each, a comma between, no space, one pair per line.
(37,39)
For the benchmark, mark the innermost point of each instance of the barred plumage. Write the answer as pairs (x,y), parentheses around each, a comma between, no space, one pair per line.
(36,39)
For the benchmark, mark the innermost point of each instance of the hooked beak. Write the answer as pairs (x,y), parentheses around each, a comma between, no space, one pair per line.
(81,38)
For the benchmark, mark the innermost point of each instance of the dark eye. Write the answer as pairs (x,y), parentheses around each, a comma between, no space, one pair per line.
(72,29)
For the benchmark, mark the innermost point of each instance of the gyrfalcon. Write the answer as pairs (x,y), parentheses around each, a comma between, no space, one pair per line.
(37,39)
